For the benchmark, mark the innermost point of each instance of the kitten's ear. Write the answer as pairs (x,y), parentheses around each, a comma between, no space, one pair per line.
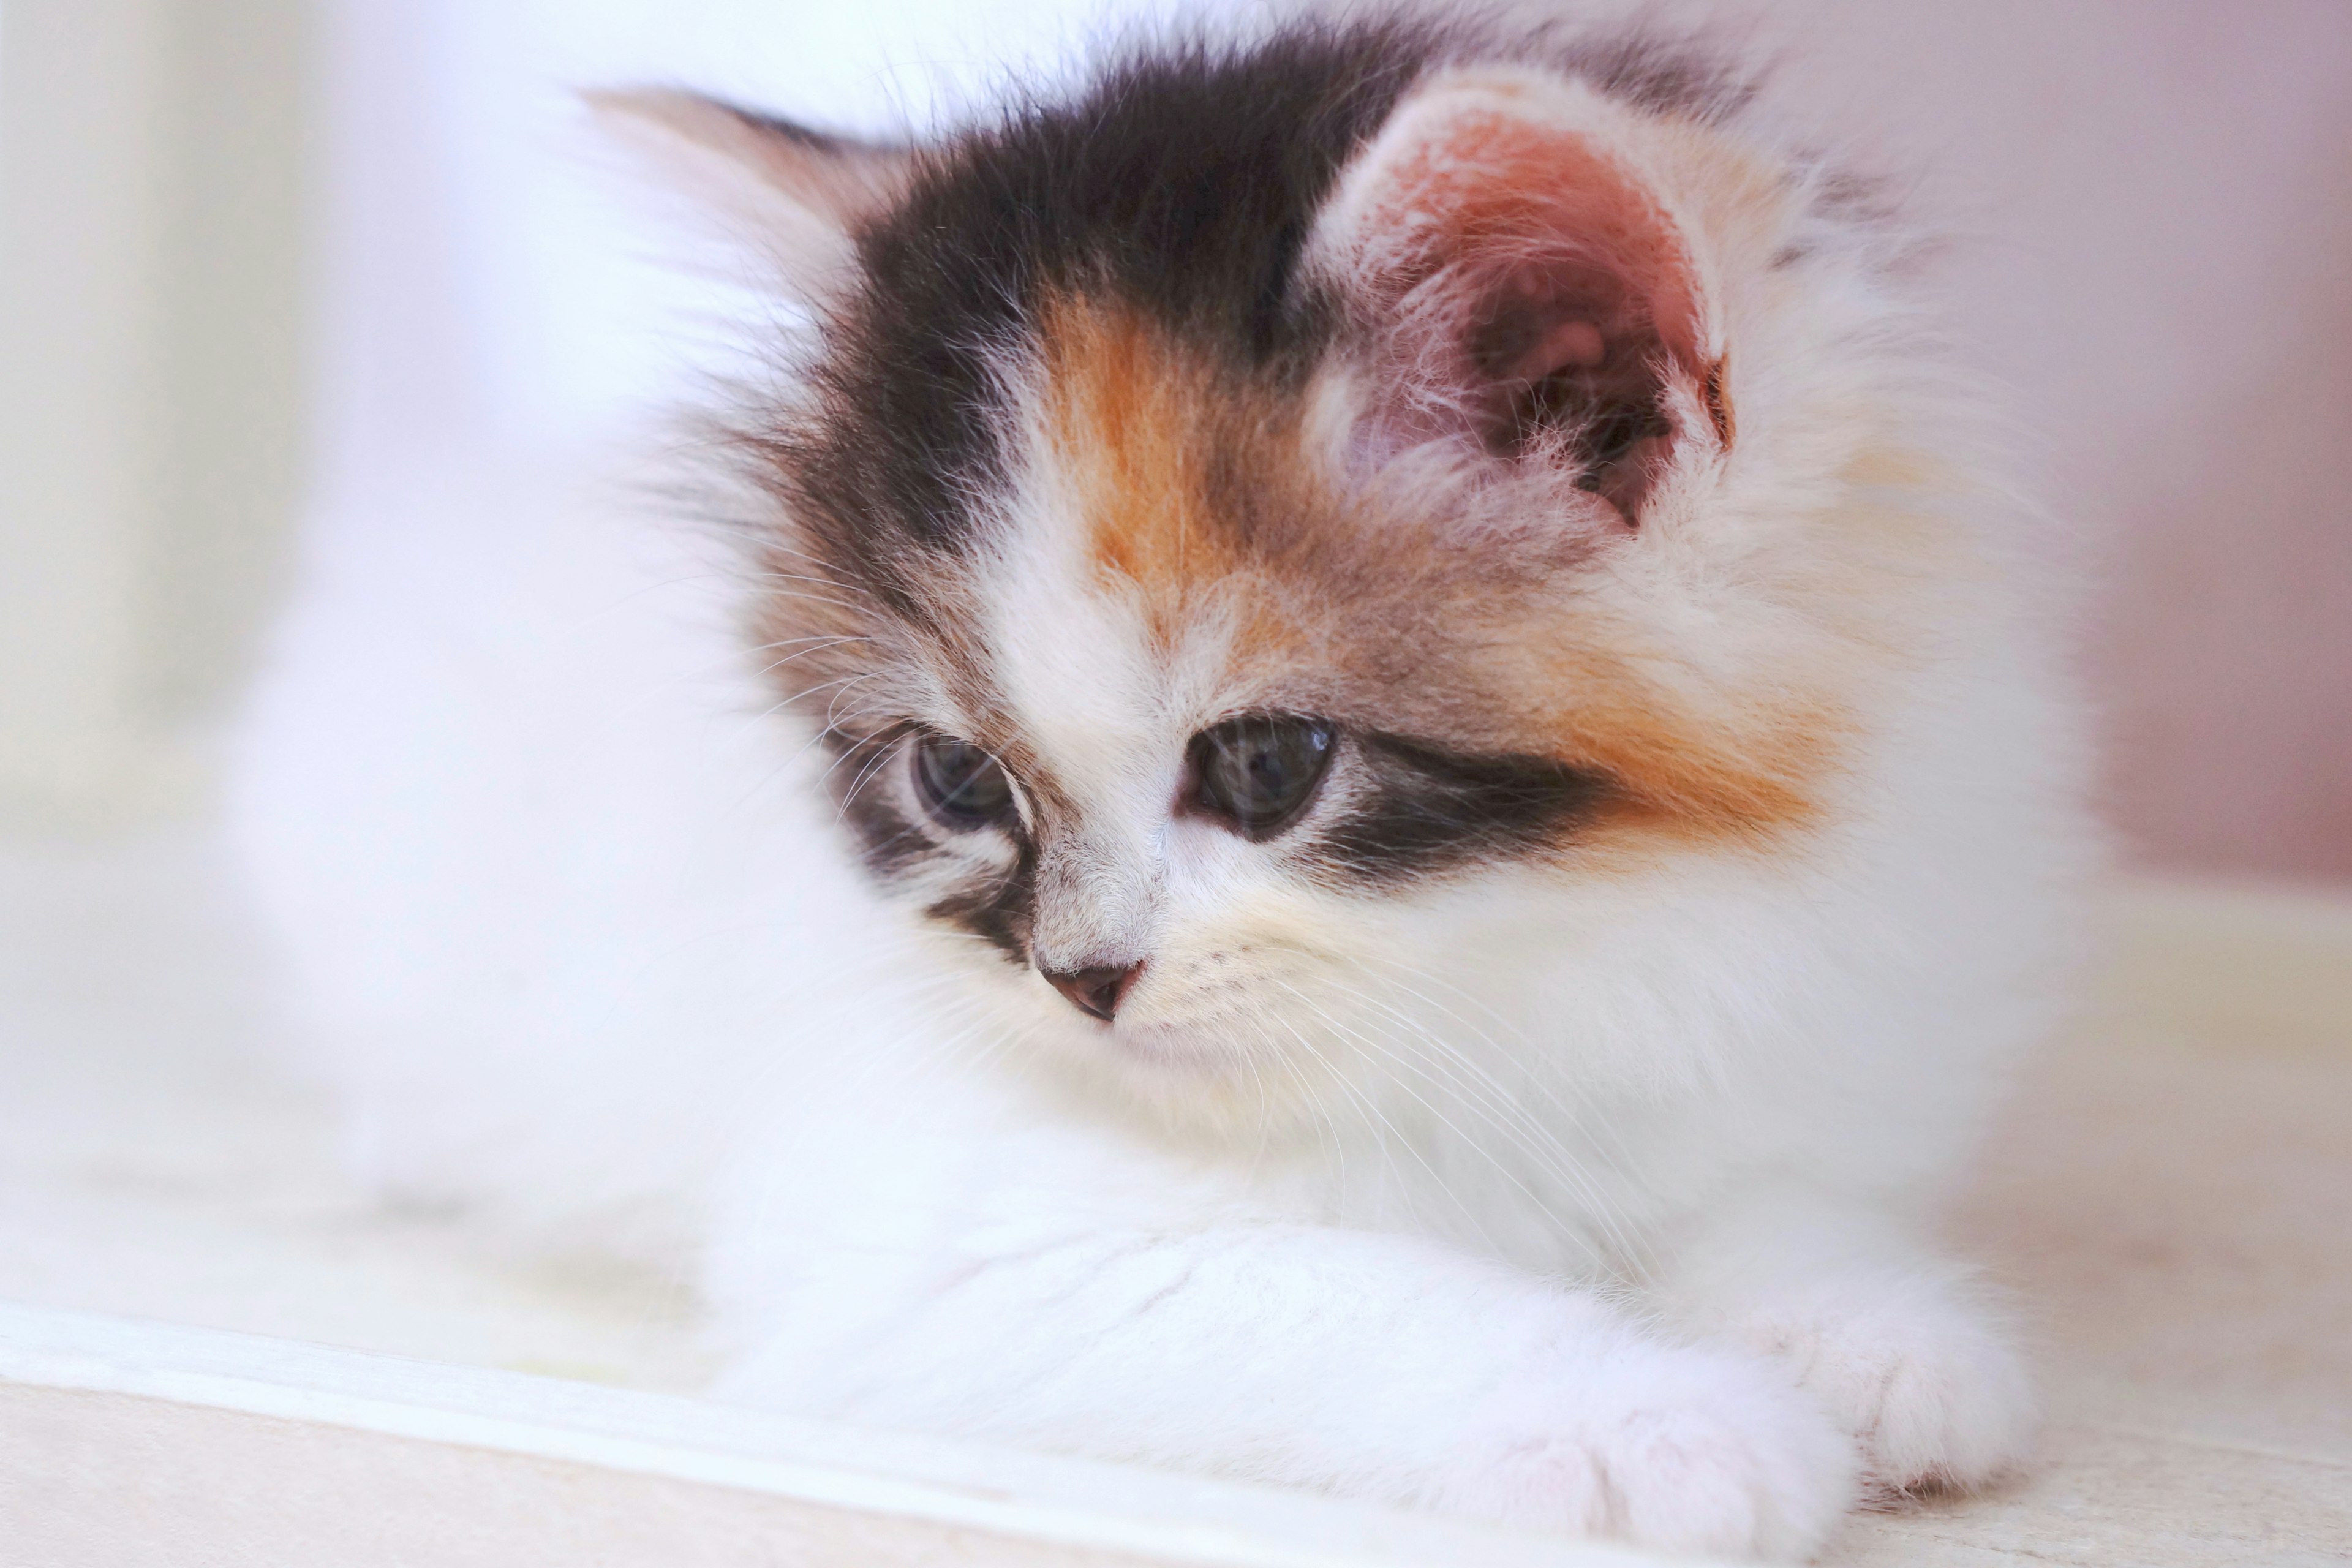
(1511,245)
(795,195)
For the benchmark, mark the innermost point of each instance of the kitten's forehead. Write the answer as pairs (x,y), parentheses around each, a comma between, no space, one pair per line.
(1177,486)
(1112,581)
(1072,665)
(1174,546)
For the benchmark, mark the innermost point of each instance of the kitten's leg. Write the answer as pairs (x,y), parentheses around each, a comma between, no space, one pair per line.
(1371,1365)
(1909,1351)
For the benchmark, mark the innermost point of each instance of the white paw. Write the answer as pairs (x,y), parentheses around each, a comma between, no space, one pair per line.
(1927,1383)
(1679,1450)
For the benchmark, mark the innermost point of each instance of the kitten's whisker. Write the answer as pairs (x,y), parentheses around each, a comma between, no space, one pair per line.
(1537,1140)
(1502,1111)
(1445,1121)
(802,596)
(769,777)
(873,764)
(1387,1153)
(1546,1085)
(800,577)
(1532,1053)
(1329,1133)
(825,645)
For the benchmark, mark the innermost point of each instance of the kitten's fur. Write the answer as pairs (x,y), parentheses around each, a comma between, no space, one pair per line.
(1538,1127)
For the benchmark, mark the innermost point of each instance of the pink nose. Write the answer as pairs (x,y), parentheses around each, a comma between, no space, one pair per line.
(1094,992)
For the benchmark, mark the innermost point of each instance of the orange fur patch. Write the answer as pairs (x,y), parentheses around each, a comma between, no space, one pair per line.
(1128,412)
(1143,429)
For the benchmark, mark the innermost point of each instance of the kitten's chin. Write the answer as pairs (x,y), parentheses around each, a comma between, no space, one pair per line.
(1216,1080)
(1215,1062)
(1175,1049)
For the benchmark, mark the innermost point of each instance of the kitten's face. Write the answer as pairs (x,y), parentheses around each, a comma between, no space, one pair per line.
(1235,520)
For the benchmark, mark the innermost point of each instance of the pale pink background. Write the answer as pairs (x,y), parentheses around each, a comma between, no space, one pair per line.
(2161,193)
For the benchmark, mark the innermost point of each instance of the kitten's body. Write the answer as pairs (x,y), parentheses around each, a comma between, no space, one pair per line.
(1541,1122)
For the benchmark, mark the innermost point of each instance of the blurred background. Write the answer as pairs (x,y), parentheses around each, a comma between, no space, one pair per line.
(257,255)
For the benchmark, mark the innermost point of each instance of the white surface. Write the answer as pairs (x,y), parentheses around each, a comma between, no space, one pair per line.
(1102,1509)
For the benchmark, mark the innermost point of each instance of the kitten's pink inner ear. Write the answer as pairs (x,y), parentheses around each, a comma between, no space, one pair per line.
(1572,342)
(1509,244)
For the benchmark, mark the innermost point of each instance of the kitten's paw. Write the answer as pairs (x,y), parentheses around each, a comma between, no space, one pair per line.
(1930,1386)
(1678,1450)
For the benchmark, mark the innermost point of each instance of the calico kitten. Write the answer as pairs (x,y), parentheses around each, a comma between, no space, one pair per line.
(1396,796)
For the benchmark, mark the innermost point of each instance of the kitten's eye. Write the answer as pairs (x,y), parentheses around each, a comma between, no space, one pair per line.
(1261,770)
(961,783)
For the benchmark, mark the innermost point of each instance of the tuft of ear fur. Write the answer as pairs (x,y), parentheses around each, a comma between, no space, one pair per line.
(795,195)
(1527,282)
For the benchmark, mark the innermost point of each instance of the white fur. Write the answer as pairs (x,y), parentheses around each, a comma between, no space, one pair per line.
(1595,1205)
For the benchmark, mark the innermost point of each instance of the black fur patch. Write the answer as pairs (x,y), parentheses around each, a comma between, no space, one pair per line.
(1183,182)
(1427,811)
(1002,914)
(999,910)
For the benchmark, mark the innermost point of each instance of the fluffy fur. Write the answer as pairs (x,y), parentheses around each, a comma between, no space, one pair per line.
(1541,1122)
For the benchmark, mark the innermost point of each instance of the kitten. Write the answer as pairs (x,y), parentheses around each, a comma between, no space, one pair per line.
(1395,797)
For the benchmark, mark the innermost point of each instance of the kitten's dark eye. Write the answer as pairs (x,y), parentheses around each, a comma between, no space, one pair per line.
(961,783)
(1260,770)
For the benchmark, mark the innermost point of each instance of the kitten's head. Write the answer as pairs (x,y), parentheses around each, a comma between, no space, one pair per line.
(1266,533)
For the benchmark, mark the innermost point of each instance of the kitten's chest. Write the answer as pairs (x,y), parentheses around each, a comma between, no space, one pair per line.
(1555,1199)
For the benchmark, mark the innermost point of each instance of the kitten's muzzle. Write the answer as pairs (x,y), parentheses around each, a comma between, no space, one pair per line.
(1095,991)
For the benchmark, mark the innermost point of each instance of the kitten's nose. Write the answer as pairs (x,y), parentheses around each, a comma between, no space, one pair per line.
(1097,991)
